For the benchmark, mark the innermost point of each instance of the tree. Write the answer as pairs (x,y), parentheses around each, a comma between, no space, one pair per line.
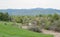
(4,16)
(55,17)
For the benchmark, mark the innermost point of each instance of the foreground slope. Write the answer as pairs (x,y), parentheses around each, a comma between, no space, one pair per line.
(10,31)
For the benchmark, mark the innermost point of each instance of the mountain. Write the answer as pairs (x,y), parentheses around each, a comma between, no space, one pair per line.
(33,11)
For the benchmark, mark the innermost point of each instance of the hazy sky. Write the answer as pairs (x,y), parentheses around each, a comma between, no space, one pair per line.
(17,4)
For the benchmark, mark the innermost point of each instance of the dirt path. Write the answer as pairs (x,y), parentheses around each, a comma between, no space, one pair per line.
(56,34)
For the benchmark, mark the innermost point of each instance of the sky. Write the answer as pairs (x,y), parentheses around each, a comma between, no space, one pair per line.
(26,4)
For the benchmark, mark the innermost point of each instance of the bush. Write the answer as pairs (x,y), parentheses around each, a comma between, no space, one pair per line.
(55,26)
(35,29)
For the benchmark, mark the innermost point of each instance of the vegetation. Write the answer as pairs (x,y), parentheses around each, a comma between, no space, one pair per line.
(12,25)
(7,30)
(4,16)
(50,21)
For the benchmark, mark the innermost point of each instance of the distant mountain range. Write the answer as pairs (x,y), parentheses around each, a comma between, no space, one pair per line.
(33,11)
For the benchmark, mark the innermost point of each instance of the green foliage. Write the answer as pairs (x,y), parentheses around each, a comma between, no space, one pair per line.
(4,16)
(44,21)
(55,16)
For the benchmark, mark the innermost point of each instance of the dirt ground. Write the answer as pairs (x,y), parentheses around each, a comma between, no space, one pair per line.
(56,34)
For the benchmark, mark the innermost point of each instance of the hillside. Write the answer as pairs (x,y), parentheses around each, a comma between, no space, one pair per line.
(9,31)
(33,11)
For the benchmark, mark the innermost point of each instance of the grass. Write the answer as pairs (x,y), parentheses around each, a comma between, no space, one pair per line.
(10,31)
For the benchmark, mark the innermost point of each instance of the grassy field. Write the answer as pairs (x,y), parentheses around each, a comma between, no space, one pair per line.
(11,31)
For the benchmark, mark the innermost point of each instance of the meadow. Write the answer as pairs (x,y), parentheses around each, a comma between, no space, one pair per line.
(7,30)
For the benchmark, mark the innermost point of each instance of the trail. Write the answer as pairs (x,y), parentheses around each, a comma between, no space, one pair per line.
(56,34)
